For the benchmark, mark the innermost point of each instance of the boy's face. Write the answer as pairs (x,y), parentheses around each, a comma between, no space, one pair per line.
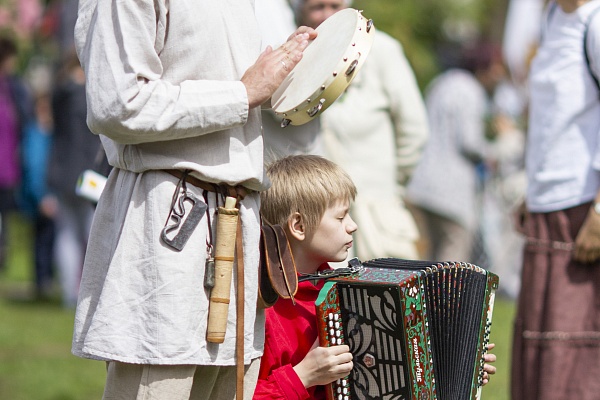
(333,237)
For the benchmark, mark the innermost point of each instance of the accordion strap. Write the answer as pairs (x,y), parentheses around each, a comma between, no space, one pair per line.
(354,266)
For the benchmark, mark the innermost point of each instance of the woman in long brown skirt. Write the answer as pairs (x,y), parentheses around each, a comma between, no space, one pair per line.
(556,349)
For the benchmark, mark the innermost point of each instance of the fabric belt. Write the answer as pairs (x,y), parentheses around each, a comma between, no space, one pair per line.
(238,192)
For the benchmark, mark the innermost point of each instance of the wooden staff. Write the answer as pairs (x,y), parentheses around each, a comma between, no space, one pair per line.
(224,256)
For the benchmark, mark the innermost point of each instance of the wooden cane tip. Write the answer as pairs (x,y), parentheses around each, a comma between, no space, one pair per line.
(215,338)
(230,202)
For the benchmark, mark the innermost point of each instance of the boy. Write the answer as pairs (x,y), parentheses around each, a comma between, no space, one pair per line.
(310,197)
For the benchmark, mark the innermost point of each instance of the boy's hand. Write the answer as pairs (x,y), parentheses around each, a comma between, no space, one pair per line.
(487,368)
(323,365)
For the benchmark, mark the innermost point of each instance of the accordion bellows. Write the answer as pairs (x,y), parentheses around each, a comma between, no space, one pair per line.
(416,329)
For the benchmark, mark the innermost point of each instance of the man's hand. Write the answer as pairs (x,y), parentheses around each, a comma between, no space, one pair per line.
(587,242)
(323,365)
(271,68)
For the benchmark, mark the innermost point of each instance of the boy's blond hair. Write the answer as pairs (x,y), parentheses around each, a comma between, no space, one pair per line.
(306,184)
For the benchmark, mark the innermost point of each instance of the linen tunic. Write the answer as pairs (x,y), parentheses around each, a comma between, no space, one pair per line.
(164,91)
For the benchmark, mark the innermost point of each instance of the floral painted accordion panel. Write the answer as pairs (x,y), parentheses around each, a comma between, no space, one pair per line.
(417,330)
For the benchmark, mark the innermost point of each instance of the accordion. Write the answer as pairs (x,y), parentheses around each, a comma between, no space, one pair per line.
(416,329)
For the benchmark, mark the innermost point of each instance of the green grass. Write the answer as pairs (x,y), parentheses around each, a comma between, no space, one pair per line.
(35,358)
(502,327)
(35,339)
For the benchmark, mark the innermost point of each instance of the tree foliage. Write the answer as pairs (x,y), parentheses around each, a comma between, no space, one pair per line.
(428,29)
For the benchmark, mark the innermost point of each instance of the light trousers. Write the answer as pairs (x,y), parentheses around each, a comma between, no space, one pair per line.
(177,382)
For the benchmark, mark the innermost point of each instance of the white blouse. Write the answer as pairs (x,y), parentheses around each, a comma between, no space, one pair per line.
(563,157)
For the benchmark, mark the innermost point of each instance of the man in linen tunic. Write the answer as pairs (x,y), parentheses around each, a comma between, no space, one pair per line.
(164,92)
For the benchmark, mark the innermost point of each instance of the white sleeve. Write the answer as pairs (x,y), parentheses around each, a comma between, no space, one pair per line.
(119,43)
(407,111)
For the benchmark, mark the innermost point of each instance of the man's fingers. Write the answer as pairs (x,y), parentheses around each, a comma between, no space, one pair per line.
(312,34)
(294,47)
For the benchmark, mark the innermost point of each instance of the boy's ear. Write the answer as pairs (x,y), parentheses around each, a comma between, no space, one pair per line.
(296,226)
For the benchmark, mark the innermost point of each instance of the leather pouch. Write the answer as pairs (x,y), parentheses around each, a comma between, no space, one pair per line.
(277,277)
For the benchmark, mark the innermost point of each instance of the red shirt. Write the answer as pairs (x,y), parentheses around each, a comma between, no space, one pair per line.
(290,332)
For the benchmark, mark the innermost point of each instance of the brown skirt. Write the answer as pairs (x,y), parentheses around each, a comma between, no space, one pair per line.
(556,344)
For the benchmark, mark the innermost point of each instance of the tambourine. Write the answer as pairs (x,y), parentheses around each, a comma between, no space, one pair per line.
(327,67)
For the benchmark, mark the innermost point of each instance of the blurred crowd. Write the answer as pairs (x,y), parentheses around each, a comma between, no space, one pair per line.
(46,143)
(438,179)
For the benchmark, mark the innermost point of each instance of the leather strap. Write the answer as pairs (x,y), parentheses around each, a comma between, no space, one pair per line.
(278,272)
(238,191)
(239,345)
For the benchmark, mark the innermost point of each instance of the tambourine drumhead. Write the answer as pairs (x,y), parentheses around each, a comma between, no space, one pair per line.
(327,67)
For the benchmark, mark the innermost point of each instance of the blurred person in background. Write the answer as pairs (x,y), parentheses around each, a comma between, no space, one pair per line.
(74,150)
(504,188)
(445,188)
(34,200)
(379,121)
(67,17)
(21,17)
(15,110)
(521,37)
(556,344)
